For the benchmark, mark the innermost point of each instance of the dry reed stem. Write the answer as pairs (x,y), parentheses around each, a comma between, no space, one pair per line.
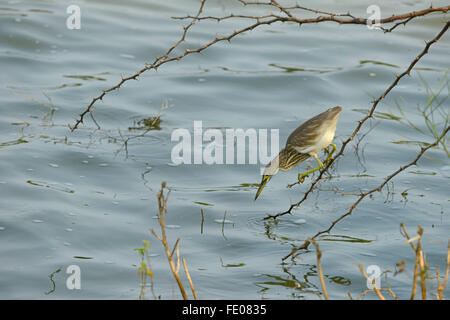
(341,151)
(175,246)
(438,277)
(420,265)
(191,284)
(162,207)
(442,287)
(178,260)
(338,18)
(420,269)
(423,275)
(416,260)
(406,235)
(365,194)
(377,290)
(365,292)
(319,268)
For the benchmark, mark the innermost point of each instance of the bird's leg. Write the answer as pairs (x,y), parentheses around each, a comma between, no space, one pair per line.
(302,176)
(334,147)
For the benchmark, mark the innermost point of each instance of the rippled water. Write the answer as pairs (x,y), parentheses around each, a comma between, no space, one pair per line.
(84,199)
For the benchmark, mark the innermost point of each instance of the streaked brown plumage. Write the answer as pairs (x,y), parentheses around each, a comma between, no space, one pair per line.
(306,141)
(289,158)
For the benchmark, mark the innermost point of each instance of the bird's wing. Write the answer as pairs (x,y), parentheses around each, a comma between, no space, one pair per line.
(289,158)
(307,133)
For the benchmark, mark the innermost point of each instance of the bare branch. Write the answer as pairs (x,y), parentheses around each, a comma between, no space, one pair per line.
(158,62)
(360,124)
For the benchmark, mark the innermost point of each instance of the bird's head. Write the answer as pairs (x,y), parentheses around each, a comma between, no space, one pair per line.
(265,178)
(334,112)
(269,171)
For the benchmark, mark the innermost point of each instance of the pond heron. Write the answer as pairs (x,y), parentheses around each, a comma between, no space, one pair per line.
(306,141)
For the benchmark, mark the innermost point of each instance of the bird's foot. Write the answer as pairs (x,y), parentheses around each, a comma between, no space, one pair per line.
(330,153)
(301,177)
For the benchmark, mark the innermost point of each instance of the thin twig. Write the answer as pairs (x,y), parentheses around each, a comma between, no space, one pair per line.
(406,235)
(174,247)
(397,24)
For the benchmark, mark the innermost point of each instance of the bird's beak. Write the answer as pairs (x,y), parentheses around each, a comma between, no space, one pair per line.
(265,179)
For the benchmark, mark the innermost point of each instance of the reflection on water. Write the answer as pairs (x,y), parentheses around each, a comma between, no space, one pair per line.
(299,287)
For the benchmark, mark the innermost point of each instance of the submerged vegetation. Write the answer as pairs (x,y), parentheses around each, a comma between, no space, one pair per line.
(435,113)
